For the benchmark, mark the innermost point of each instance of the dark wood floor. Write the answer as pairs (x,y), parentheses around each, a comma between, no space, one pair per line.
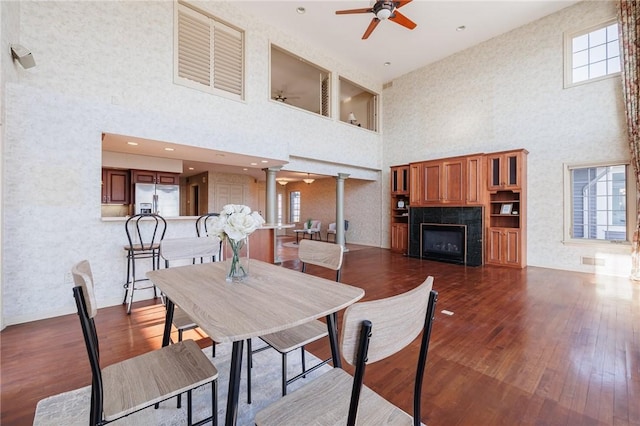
(533,346)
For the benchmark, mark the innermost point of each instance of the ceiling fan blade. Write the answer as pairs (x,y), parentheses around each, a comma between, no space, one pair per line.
(399,18)
(399,4)
(372,26)
(345,12)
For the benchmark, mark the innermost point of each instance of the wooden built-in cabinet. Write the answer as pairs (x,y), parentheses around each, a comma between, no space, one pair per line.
(496,181)
(115,186)
(450,181)
(159,178)
(506,210)
(400,208)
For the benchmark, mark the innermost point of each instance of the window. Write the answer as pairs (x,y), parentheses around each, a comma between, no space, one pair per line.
(358,106)
(208,54)
(297,82)
(592,54)
(598,202)
(294,206)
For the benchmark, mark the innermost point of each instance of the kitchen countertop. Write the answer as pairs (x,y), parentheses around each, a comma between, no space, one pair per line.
(193,218)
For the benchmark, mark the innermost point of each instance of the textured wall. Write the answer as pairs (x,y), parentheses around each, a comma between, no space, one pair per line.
(108,67)
(508,93)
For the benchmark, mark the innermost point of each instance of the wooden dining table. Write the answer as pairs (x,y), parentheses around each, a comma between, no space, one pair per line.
(272,298)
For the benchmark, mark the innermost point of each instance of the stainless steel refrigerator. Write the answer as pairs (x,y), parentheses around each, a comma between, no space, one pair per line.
(160,199)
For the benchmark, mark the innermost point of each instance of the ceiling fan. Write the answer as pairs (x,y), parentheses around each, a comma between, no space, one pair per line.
(280,97)
(383,9)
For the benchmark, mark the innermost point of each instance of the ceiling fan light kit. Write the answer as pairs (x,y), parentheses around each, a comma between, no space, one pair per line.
(383,10)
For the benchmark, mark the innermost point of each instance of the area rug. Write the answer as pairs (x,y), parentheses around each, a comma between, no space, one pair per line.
(72,408)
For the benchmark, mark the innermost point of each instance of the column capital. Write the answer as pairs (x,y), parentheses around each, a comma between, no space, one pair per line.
(343,175)
(272,169)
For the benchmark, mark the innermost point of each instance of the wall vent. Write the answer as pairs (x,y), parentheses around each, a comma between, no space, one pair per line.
(595,261)
(387,85)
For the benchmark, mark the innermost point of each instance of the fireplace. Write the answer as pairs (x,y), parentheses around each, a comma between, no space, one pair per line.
(443,242)
(469,217)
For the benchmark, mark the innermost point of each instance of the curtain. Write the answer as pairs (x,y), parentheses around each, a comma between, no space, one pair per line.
(629,28)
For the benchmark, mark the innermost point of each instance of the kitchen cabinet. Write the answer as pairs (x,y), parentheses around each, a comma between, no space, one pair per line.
(116,188)
(506,169)
(160,178)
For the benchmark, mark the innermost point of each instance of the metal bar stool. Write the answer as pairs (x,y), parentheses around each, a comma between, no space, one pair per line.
(144,232)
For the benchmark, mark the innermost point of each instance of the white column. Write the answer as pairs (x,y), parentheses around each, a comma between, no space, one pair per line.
(272,194)
(340,209)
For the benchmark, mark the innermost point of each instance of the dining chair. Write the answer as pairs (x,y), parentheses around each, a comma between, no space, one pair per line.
(372,331)
(128,386)
(202,230)
(189,248)
(144,233)
(310,252)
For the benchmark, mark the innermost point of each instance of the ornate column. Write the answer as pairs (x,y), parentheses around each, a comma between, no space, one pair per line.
(340,209)
(271,198)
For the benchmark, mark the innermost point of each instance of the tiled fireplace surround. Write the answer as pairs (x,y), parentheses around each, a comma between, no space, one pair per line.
(470,216)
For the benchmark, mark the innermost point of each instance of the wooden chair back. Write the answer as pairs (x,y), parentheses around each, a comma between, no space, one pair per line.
(320,253)
(377,329)
(189,248)
(83,292)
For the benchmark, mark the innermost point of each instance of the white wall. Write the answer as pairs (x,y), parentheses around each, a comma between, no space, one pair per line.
(108,67)
(508,93)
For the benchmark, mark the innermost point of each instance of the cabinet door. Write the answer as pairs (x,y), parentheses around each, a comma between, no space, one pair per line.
(474,180)
(494,246)
(512,247)
(399,238)
(452,181)
(415,184)
(143,176)
(431,173)
(165,178)
(115,186)
(505,170)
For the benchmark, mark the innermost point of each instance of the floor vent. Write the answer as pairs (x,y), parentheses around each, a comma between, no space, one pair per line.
(595,261)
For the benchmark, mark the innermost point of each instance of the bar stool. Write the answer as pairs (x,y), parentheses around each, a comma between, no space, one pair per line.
(145,231)
(202,229)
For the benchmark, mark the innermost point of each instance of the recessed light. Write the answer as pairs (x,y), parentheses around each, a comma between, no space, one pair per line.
(386,64)
(301,10)
(169,149)
(132,143)
(264,161)
(461,28)
(191,168)
(245,169)
(254,164)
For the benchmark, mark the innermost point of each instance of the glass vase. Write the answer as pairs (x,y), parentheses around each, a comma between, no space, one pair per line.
(238,259)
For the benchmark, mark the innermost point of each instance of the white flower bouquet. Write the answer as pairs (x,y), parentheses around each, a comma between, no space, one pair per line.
(234,224)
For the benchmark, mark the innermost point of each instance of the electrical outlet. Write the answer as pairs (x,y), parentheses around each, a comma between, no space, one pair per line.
(68,278)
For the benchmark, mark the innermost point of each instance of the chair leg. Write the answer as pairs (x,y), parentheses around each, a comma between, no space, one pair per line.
(304,365)
(249,367)
(214,402)
(133,283)
(189,413)
(284,374)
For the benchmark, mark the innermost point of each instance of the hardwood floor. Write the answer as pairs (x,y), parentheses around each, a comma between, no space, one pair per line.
(532,346)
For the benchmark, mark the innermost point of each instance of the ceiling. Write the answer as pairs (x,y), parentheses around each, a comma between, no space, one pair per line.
(192,158)
(434,38)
